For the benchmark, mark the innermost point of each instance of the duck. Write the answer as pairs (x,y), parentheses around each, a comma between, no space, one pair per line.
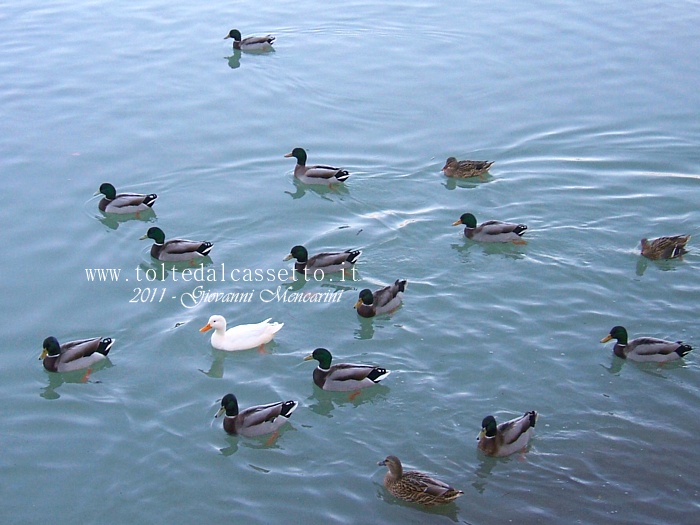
(491,231)
(381,301)
(665,247)
(464,169)
(250,43)
(328,262)
(506,438)
(318,174)
(343,377)
(416,487)
(645,349)
(123,203)
(241,337)
(74,355)
(175,249)
(256,420)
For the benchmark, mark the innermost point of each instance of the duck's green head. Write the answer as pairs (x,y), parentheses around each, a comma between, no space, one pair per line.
(107,190)
(618,333)
(154,233)
(467,219)
(299,154)
(229,404)
(235,34)
(488,427)
(51,347)
(299,253)
(366,297)
(323,357)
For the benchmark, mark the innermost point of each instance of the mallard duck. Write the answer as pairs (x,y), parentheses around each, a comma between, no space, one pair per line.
(491,231)
(123,202)
(74,355)
(318,174)
(329,262)
(256,420)
(464,169)
(416,487)
(649,349)
(241,337)
(665,247)
(506,438)
(381,301)
(343,377)
(175,249)
(250,43)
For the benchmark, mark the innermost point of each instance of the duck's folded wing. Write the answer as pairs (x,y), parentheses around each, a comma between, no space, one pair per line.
(513,429)
(328,259)
(428,484)
(387,294)
(350,372)
(321,171)
(126,200)
(498,227)
(260,414)
(76,349)
(267,39)
(652,346)
(183,246)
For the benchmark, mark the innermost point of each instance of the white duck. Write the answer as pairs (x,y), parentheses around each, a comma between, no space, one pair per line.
(241,337)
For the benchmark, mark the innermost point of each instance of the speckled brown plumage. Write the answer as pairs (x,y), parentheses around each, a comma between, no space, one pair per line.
(665,247)
(416,487)
(464,169)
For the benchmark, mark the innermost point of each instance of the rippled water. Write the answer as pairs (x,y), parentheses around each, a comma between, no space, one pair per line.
(590,114)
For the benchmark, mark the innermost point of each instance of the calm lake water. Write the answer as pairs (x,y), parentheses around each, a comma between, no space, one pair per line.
(590,113)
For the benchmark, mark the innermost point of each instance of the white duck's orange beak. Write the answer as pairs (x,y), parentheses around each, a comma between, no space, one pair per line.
(205,328)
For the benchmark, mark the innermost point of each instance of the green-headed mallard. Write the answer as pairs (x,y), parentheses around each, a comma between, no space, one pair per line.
(506,438)
(491,231)
(416,487)
(343,377)
(250,43)
(665,247)
(381,301)
(464,169)
(112,202)
(645,349)
(329,262)
(241,337)
(74,355)
(175,249)
(318,174)
(256,420)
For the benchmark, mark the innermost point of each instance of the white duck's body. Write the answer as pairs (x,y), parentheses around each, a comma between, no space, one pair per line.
(240,337)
